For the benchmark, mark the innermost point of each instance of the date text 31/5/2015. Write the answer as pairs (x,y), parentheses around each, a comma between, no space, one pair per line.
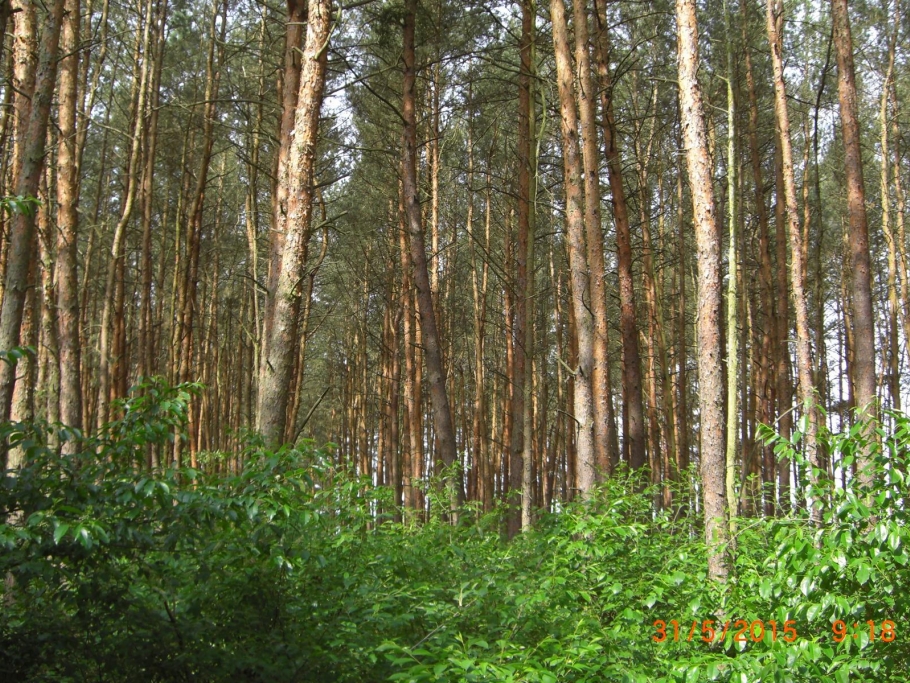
(756,631)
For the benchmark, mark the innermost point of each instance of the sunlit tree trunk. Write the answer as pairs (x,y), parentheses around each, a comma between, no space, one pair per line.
(680,330)
(22,229)
(899,206)
(412,462)
(290,89)
(860,262)
(274,383)
(634,426)
(583,409)
(887,229)
(797,266)
(710,348)
(732,276)
(68,227)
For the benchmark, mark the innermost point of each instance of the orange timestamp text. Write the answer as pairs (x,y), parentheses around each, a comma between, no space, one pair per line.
(710,630)
(757,631)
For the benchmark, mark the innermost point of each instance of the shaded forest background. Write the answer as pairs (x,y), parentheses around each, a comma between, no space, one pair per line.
(166,167)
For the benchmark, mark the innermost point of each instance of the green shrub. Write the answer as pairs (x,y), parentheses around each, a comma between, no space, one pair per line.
(284,572)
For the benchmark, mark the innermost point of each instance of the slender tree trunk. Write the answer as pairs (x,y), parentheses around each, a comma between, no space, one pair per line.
(68,228)
(294,418)
(634,426)
(48,387)
(252,197)
(195,215)
(654,285)
(413,441)
(442,415)
(899,206)
(146,194)
(710,351)
(769,321)
(860,262)
(393,450)
(22,231)
(106,344)
(887,230)
(528,488)
(481,450)
(733,274)
(682,347)
(583,409)
(435,262)
(522,326)
(797,267)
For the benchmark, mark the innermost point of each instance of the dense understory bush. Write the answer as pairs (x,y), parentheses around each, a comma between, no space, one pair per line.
(284,572)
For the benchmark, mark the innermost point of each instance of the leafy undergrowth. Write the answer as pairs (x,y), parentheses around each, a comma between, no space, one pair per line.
(282,573)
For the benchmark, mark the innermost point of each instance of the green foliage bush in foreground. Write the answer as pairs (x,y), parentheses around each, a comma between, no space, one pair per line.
(282,573)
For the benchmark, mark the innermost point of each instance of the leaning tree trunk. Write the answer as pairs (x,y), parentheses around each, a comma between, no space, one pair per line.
(710,348)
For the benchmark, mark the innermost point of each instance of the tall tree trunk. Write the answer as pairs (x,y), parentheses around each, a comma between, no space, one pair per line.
(274,383)
(529,66)
(68,228)
(655,286)
(634,425)
(106,344)
(682,360)
(797,267)
(732,276)
(290,83)
(481,446)
(412,445)
(860,262)
(48,386)
(522,326)
(710,350)
(22,231)
(887,230)
(769,321)
(583,408)
(295,423)
(146,194)
(899,206)
(442,414)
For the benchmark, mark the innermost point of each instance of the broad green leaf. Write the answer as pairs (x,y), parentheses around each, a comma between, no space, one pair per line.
(60,531)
